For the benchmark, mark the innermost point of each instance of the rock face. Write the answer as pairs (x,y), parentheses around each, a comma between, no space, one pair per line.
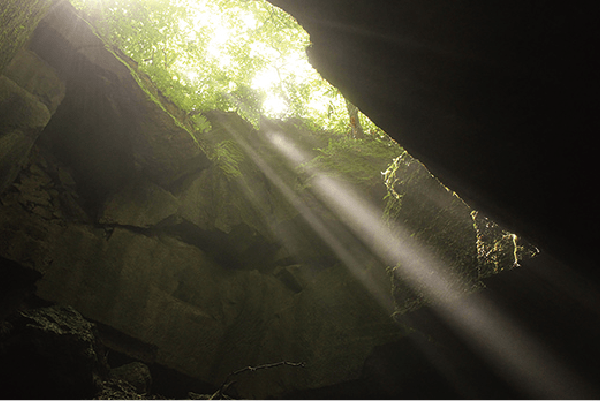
(213,260)
(492,97)
(30,92)
(435,226)
(205,261)
(50,351)
(136,373)
(19,19)
(107,130)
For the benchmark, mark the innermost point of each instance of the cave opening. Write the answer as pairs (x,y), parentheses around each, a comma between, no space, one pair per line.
(212,210)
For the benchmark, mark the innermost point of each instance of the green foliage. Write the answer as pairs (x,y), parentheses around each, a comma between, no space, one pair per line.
(231,55)
(200,123)
(227,155)
(237,56)
(354,160)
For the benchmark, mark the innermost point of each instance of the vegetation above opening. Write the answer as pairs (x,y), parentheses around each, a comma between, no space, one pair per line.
(231,55)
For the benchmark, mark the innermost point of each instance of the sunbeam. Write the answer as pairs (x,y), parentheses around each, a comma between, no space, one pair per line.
(351,258)
(511,351)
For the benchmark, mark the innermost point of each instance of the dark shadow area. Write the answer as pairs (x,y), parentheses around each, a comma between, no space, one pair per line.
(542,297)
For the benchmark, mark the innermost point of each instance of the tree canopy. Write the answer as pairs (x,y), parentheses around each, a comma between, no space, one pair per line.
(245,56)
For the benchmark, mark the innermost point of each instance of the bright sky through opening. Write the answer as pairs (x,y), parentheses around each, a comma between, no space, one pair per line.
(203,45)
(295,67)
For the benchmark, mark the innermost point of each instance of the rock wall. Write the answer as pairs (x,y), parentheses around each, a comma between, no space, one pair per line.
(130,223)
(30,92)
(203,313)
(210,262)
(18,19)
(50,352)
(436,228)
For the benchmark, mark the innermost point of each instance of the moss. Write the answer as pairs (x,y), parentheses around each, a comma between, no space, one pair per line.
(357,161)
(18,19)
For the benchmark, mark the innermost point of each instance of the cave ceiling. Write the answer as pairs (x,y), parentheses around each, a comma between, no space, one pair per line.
(492,96)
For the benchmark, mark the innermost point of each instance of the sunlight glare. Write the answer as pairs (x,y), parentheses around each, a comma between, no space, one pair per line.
(275,105)
(281,69)
(265,79)
(349,258)
(287,148)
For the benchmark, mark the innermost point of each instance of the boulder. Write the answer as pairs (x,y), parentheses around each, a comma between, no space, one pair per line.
(50,353)
(37,77)
(136,373)
(141,204)
(112,126)
(30,92)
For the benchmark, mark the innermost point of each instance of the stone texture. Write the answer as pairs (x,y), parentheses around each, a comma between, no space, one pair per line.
(35,76)
(206,321)
(30,92)
(437,233)
(141,204)
(50,351)
(136,373)
(23,117)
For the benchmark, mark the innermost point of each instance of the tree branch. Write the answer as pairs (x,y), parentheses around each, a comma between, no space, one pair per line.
(218,395)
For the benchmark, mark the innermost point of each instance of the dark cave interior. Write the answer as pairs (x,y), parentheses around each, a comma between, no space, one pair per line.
(494,98)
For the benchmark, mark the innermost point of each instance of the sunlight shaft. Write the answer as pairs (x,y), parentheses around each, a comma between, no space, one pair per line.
(512,352)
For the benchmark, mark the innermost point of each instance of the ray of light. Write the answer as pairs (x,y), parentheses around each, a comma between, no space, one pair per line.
(509,349)
(350,259)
